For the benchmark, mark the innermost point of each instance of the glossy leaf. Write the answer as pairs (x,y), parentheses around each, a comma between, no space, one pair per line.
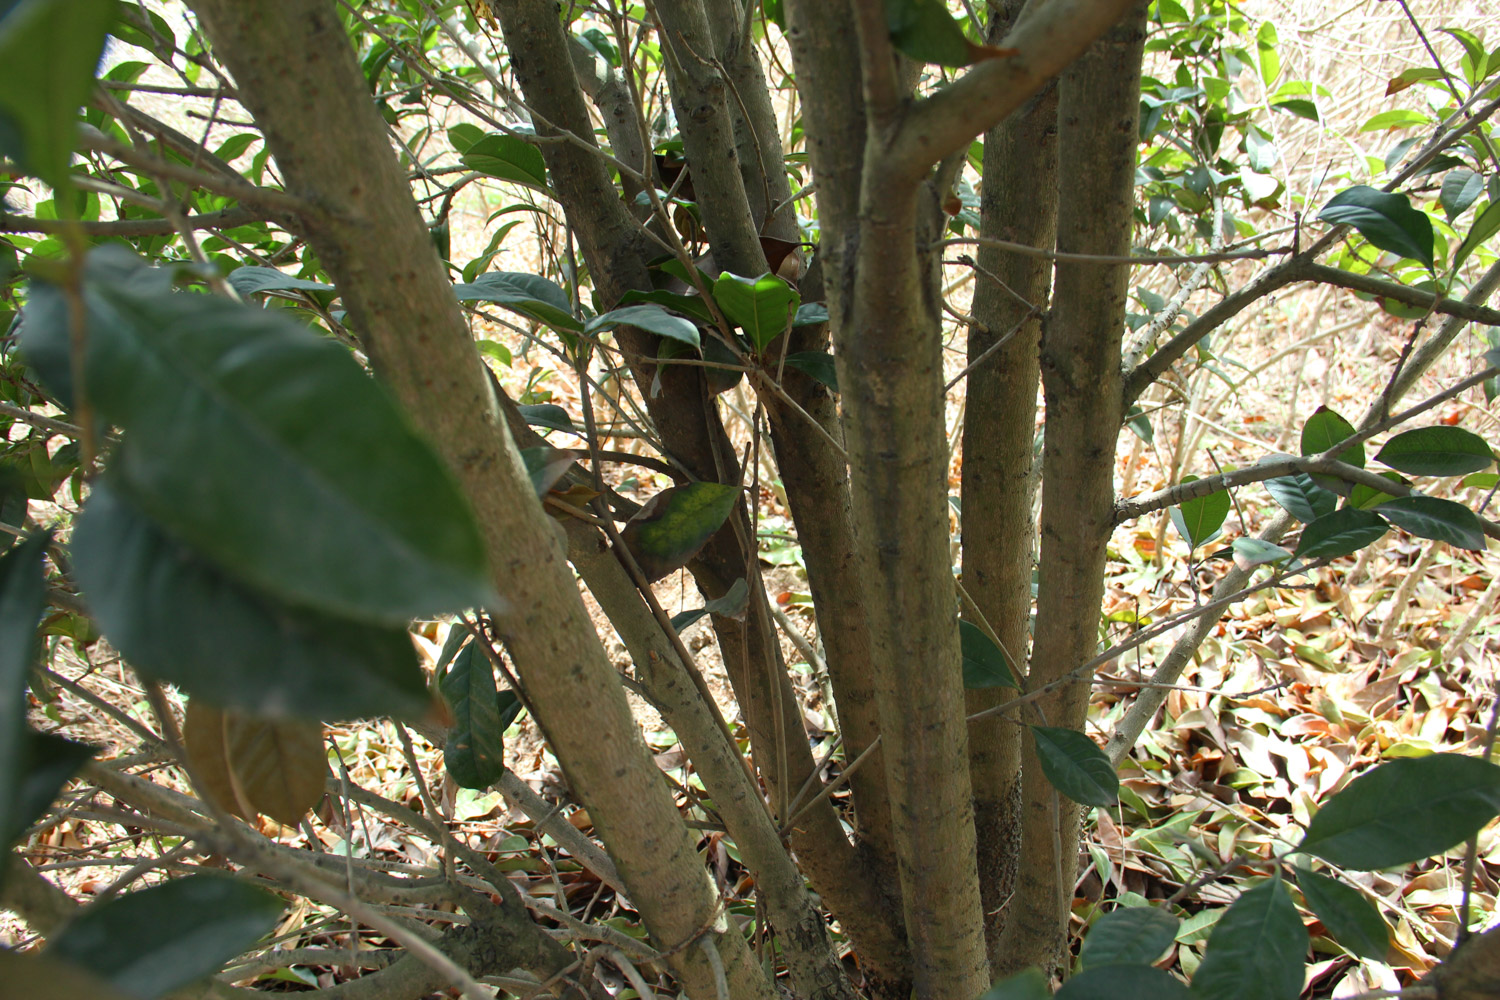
(1350,918)
(1387,220)
(687,305)
(1484,227)
(23,593)
(985,665)
(1444,799)
(1461,188)
(816,365)
(498,155)
(1433,517)
(1123,982)
(762,307)
(1344,531)
(1324,430)
(265,447)
(44,764)
(1257,950)
(675,523)
(475,750)
(1437,451)
(179,619)
(154,940)
(1028,984)
(1198,520)
(548,415)
(48,52)
(1300,497)
(649,317)
(1367,497)
(249,764)
(251,280)
(528,294)
(1076,766)
(1252,552)
(1131,935)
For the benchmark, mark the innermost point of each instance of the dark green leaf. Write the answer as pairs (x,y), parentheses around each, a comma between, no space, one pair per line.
(475,750)
(688,305)
(1076,766)
(1484,227)
(250,280)
(1387,220)
(817,366)
(731,605)
(675,523)
(153,941)
(178,619)
(45,763)
(1433,517)
(1123,982)
(1131,935)
(48,52)
(1198,520)
(1252,552)
(1299,106)
(1405,810)
(266,448)
(926,32)
(1437,451)
(22,597)
(648,317)
(985,665)
(1351,919)
(1461,188)
(548,415)
(1257,950)
(1344,531)
(763,307)
(495,154)
(1299,496)
(1140,424)
(547,465)
(1028,984)
(528,294)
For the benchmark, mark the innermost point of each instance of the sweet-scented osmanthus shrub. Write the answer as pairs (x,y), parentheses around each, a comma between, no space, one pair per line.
(281,444)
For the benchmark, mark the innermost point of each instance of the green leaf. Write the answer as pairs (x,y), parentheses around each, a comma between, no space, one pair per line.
(1325,429)
(548,415)
(985,665)
(528,294)
(687,305)
(1433,517)
(675,523)
(1140,424)
(475,750)
(1299,496)
(810,314)
(179,619)
(495,154)
(926,32)
(1480,481)
(23,593)
(1386,220)
(1437,451)
(1257,950)
(1131,935)
(1405,810)
(731,605)
(1396,118)
(648,317)
(1351,919)
(251,280)
(1028,984)
(44,764)
(1367,497)
(1076,766)
(1484,227)
(1344,531)
(1198,520)
(155,940)
(265,447)
(1265,46)
(1123,982)
(762,307)
(546,466)
(1461,188)
(816,365)
(1252,552)
(48,53)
